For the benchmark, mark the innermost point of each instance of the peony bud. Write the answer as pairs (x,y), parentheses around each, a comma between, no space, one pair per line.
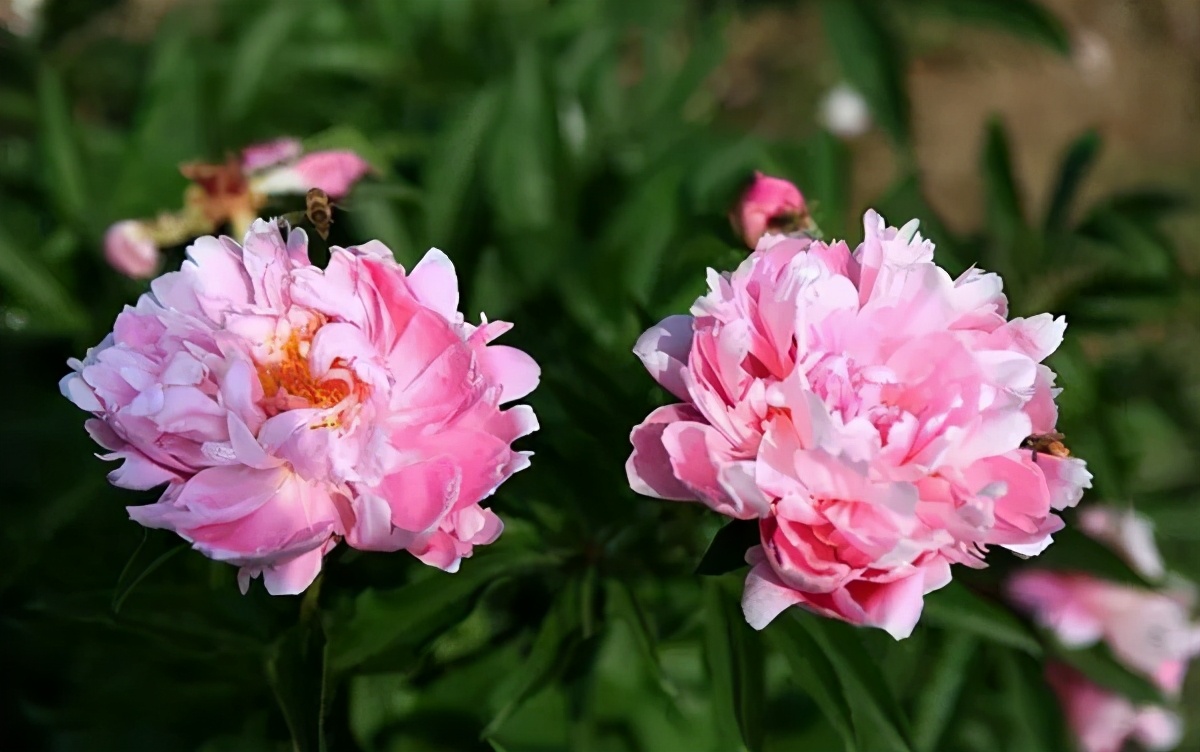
(768,205)
(130,249)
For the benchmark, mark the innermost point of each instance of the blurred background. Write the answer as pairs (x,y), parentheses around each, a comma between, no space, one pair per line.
(577,159)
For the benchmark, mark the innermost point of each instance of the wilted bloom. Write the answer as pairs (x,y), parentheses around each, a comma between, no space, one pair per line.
(768,205)
(1103,721)
(130,249)
(287,407)
(1129,534)
(1148,631)
(236,191)
(869,411)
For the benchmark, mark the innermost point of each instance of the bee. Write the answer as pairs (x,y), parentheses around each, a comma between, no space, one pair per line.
(1046,443)
(319,211)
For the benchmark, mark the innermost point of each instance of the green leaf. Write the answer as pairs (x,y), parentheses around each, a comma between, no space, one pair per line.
(32,283)
(128,581)
(870,59)
(1024,18)
(452,165)
(622,606)
(938,698)
(864,685)
(1075,166)
(1030,718)
(259,44)
(958,610)
(65,177)
(815,674)
(556,641)
(642,229)
(1099,665)
(736,666)
(727,551)
(827,182)
(1005,214)
(521,150)
(296,672)
(404,620)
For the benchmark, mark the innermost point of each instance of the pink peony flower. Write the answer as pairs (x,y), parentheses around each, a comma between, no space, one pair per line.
(286,406)
(259,156)
(1103,721)
(130,249)
(1150,632)
(869,411)
(768,205)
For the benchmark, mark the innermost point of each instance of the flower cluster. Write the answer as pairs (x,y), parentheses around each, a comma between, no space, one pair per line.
(232,193)
(287,407)
(1149,631)
(869,411)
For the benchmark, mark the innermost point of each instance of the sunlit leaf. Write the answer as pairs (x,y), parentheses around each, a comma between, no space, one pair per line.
(956,608)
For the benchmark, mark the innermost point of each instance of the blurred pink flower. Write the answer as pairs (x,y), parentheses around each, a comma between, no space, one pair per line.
(287,406)
(130,249)
(1129,534)
(768,205)
(1150,632)
(869,411)
(232,193)
(1103,721)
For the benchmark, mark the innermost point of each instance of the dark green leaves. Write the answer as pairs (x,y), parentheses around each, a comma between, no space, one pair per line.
(734,654)
(397,624)
(295,668)
(957,609)
(813,670)
(727,551)
(1075,166)
(1024,18)
(870,58)
(936,704)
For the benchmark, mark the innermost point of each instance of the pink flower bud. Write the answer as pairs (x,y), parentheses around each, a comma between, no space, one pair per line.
(129,248)
(334,172)
(768,205)
(270,153)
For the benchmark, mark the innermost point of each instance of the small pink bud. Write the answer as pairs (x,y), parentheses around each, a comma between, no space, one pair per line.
(270,153)
(130,249)
(768,205)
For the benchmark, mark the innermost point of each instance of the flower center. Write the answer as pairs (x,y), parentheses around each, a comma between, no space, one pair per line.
(288,382)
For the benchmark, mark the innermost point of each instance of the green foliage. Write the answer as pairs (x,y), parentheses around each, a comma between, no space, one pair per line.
(573,160)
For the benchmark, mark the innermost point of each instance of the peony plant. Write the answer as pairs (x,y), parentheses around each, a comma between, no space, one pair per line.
(879,419)
(286,407)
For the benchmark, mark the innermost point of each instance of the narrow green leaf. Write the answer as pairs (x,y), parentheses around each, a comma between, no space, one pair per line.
(623,606)
(1005,214)
(727,551)
(958,610)
(736,665)
(1024,709)
(555,643)
(65,177)
(642,229)
(127,581)
(452,165)
(1078,161)
(258,46)
(1099,665)
(1025,18)
(407,618)
(815,674)
(31,283)
(870,59)
(937,700)
(864,685)
(828,183)
(295,668)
